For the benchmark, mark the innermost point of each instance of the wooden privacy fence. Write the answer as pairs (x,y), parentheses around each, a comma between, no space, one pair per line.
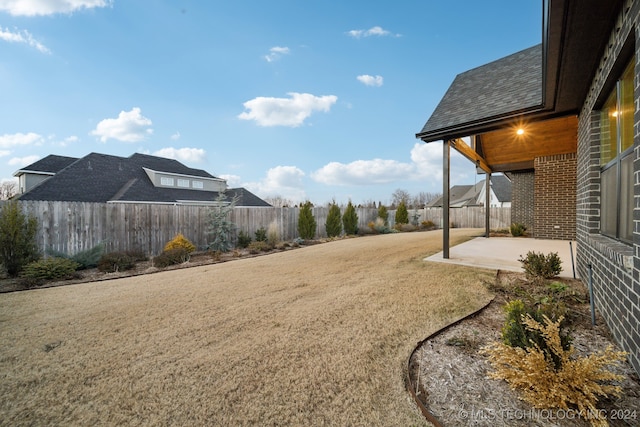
(71,227)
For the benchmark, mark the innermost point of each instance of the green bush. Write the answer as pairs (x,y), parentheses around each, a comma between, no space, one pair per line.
(17,238)
(538,266)
(517,229)
(243,239)
(261,234)
(49,269)
(402,214)
(516,334)
(177,255)
(116,261)
(334,221)
(384,214)
(306,222)
(88,258)
(350,220)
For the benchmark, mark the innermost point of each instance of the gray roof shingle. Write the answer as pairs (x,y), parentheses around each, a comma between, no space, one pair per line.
(505,86)
(50,164)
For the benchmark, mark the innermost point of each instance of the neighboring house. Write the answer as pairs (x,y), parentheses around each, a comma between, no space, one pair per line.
(475,195)
(560,118)
(139,178)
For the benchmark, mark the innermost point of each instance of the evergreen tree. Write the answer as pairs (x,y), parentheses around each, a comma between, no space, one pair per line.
(334,223)
(384,214)
(402,215)
(350,220)
(219,226)
(18,245)
(306,222)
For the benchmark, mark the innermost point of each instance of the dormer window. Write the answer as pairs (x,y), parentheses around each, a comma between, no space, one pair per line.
(184,183)
(166,181)
(198,184)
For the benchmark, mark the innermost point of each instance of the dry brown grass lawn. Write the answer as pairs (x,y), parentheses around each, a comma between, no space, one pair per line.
(314,336)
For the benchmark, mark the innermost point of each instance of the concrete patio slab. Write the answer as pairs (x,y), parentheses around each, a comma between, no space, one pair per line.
(502,253)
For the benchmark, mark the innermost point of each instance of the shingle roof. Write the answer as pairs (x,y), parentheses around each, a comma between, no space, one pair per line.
(467,195)
(100,178)
(50,164)
(505,86)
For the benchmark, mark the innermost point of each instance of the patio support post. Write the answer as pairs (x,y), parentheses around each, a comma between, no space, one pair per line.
(446,149)
(487,204)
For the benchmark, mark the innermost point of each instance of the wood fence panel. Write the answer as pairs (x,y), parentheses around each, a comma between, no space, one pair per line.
(71,227)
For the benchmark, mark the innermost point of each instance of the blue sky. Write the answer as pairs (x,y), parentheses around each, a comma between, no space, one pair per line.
(315,99)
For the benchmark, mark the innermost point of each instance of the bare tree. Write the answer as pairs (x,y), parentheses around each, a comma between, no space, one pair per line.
(400,195)
(278,201)
(423,198)
(8,189)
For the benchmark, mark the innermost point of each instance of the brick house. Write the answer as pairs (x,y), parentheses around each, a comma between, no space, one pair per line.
(561,119)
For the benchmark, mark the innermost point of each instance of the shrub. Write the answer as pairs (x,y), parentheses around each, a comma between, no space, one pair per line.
(538,266)
(243,239)
(261,234)
(180,242)
(402,215)
(350,220)
(334,221)
(273,233)
(259,246)
(575,380)
(219,226)
(89,258)
(384,214)
(137,255)
(306,222)
(177,255)
(49,269)
(405,227)
(17,238)
(517,229)
(428,225)
(115,261)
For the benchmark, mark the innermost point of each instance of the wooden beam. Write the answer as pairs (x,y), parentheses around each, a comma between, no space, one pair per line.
(446,151)
(470,154)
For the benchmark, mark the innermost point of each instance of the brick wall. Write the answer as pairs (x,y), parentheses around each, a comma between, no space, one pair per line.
(615,266)
(522,200)
(555,197)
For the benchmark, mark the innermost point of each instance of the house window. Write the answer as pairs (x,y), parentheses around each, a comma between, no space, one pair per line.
(616,159)
(183,183)
(166,181)
(198,184)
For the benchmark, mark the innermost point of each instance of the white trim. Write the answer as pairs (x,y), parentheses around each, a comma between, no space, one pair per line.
(26,171)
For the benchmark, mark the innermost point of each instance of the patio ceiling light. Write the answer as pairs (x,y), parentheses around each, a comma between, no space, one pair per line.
(520,131)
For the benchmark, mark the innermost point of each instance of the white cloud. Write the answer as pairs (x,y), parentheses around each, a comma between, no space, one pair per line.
(23,36)
(193,155)
(130,126)
(4,153)
(48,7)
(16,139)
(276,53)
(371,80)
(363,172)
(286,181)
(290,112)
(373,31)
(175,136)
(23,161)
(232,180)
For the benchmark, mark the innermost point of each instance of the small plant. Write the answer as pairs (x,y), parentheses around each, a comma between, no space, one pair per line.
(243,239)
(350,220)
(89,258)
(517,229)
(539,266)
(49,269)
(334,221)
(578,381)
(273,233)
(219,226)
(306,222)
(557,287)
(261,234)
(428,225)
(180,242)
(402,214)
(177,255)
(113,262)
(384,214)
(259,246)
